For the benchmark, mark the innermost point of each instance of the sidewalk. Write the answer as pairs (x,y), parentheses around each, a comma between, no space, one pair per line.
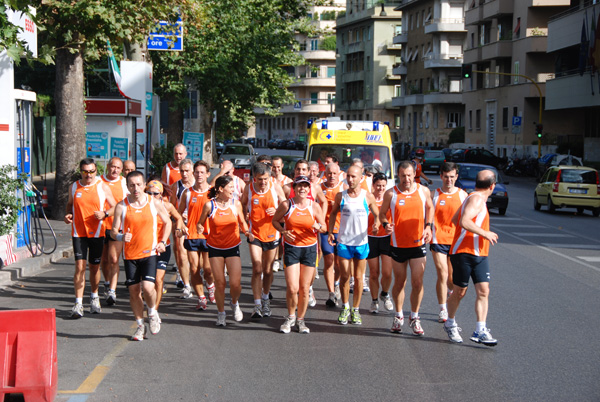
(28,266)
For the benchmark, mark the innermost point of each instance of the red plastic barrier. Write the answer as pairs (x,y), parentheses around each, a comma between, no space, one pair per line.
(28,360)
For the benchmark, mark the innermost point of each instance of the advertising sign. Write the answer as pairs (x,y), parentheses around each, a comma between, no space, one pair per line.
(96,145)
(194,143)
(119,148)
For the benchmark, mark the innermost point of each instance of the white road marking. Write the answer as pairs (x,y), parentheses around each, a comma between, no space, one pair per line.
(573,246)
(510,225)
(543,235)
(590,259)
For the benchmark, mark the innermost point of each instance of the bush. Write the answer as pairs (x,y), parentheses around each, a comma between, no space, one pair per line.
(328,43)
(161,155)
(10,204)
(456,135)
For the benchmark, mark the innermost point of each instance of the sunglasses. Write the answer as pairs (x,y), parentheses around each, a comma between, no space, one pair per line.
(151,193)
(89,171)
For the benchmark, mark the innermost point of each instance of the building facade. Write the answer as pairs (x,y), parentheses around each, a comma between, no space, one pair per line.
(506,47)
(314,89)
(430,100)
(366,54)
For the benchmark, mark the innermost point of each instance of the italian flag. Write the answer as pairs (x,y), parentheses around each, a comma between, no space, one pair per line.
(115,68)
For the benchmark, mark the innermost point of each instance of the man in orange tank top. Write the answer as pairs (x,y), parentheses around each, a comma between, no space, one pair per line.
(170,172)
(410,229)
(446,201)
(137,216)
(260,201)
(469,253)
(186,169)
(85,211)
(112,249)
(331,271)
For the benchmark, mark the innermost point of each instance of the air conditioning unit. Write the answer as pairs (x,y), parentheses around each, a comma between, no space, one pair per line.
(452,125)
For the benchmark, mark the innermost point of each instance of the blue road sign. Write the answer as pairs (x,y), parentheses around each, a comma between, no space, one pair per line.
(516,120)
(167,36)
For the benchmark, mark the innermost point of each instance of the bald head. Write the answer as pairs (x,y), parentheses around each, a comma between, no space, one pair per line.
(179,153)
(332,173)
(128,167)
(485,179)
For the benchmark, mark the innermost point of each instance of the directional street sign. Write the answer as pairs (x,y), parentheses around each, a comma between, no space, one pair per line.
(167,36)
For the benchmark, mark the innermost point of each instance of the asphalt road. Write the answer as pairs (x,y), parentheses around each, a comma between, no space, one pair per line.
(543,311)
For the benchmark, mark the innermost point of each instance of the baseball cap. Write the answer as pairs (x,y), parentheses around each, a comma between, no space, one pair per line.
(301,179)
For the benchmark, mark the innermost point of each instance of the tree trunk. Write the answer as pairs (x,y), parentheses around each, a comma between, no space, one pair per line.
(175,128)
(206,125)
(70,125)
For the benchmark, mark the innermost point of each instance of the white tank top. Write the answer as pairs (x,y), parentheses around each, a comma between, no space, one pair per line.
(354,219)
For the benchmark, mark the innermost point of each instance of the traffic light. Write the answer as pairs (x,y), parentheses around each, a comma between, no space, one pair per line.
(466,70)
(538,130)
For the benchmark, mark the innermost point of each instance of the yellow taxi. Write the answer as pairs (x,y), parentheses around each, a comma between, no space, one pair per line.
(569,187)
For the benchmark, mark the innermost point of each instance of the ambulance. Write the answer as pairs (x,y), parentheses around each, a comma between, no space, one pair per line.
(369,141)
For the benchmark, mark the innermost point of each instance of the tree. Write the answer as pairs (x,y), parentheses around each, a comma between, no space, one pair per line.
(79,30)
(456,135)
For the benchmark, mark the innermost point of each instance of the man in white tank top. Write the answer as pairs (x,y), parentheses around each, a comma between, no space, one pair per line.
(353,242)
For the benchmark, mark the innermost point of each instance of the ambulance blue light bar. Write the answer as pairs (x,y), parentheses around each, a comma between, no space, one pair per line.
(375,126)
(309,123)
(324,124)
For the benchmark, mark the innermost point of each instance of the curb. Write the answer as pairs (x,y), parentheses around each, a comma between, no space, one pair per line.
(31,266)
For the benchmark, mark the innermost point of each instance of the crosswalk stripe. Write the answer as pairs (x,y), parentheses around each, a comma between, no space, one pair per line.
(590,259)
(574,246)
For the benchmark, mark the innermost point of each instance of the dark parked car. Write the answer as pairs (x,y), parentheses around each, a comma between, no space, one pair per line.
(219,146)
(467,174)
(433,160)
(480,156)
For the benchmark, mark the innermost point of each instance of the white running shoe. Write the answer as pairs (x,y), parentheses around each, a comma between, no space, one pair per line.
(187,292)
(154,324)
(374,307)
(454,333)
(366,287)
(237,312)
(351,284)
(387,302)
(140,333)
(276,264)
(311,298)
(286,327)
(77,311)
(302,328)
(95,307)
(221,319)
(443,316)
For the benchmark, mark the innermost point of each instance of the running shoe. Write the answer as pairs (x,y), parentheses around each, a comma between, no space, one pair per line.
(266,307)
(311,298)
(270,296)
(366,287)
(374,307)
(286,327)
(77,311)
(443,316)
(316,274)
(332,300)
(344,316)
(415,324)
(211,294)
(221,319)
(355,317)
(351,284)
(202,304)
(154,323)
(140,333)
(338,293)
(257,313)
(237,312)
(276,264)
(453,333)
(178,282)
(164,290)
(397,325)
(484,337)
(106,289)
(387,302)
(302,328)
(187,292)
(95,307)
(111,298)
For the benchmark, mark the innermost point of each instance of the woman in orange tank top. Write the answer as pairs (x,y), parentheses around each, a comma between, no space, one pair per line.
(226,219)
(156,190)
(303,219)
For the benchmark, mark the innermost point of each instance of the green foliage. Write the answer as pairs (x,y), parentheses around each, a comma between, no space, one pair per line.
(328,43)
(328,15)
(9,41)
(161,155)
(456,135)
(10,204)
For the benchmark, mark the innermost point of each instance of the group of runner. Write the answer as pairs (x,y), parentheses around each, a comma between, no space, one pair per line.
(349,222)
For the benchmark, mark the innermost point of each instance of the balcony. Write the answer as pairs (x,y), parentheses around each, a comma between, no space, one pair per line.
(473,15)
(393,46)
(314,82)
(318,54)
(351,77)
(564,30)
(533,44)
(571,91)
(322,106)
(399,69)
(441,97)
(401,39)
(391,75)
(548,3)
(471,56)
(443,60)
(496,8)
(445,25)
(497,50)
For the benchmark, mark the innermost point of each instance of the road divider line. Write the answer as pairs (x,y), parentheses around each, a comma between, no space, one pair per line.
(510,225)
(589,259)
(92,381)
(546,248)
(543,235)
(572,246)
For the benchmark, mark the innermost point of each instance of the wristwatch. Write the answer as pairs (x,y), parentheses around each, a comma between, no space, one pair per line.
(429,224)
(105,214)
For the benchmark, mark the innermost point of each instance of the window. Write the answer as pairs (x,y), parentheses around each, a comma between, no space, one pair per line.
(401,122)
(411,22)
(369,33)
(368,117)
(426,119)
(314,98)
(278,123)
(505,117)
(435,119)
(314,71)
(192,111)
(288,123)
(515,111)
(470,120)
(314,44)
(397,90)
(516,71)
(454,120)
(330,72)
(330,99)
(478,119)
(417,18)
(397,30)
(293,122)
(497,77)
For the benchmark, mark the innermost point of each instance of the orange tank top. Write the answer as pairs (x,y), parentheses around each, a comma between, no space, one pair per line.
(418,170)
(194,201)
(171,173)
(86,201)
(142,223)
(224,232)
(381,232)
(445,206)
(408,213)
(301,221)
(284,181)
(161,226)
(118,189)
(330,193)
(469,242)
(261,224)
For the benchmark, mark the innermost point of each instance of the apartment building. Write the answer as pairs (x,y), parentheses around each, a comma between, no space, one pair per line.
(314,89)
(366,54)
(574,92)
(506,46)
(430,100)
